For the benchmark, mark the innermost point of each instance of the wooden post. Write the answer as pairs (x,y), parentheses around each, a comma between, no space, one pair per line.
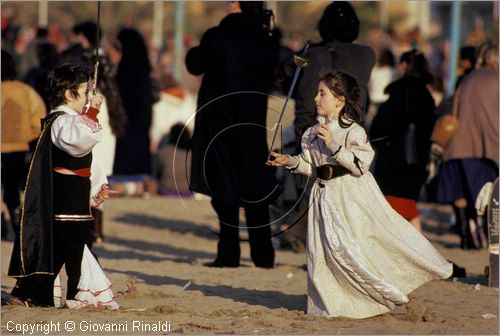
(43,14)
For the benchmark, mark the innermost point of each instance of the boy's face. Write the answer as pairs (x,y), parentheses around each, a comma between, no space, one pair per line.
(77,103)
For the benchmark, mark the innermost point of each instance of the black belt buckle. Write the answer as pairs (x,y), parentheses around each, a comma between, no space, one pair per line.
(325,172)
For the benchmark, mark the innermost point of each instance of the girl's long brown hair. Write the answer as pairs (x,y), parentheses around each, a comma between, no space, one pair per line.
(344,85)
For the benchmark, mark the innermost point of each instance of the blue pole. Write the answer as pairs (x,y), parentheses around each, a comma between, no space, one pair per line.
(456,9)
(178,42)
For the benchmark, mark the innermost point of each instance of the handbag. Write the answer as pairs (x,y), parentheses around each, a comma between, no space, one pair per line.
(446,126)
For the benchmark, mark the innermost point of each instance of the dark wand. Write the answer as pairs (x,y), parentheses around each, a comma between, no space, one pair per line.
(300,62)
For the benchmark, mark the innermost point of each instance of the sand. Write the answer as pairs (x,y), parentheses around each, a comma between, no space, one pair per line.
(154,251)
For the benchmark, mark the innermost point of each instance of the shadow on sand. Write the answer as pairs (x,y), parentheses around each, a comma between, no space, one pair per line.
(269,299)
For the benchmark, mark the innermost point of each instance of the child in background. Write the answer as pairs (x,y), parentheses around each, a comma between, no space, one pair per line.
(363,258)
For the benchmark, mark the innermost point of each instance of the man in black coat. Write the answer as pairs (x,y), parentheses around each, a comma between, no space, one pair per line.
(229,150)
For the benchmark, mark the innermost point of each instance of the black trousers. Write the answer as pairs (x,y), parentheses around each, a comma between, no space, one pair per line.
(259,233)
(70,238)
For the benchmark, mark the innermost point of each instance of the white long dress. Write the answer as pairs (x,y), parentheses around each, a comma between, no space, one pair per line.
(363,258)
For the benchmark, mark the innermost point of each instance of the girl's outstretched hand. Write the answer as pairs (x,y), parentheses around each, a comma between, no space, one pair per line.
(279,160)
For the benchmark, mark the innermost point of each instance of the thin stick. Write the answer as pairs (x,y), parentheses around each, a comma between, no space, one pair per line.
(94,89)
(294,81)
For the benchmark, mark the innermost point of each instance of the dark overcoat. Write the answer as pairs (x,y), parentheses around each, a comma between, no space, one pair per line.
(406,119)
(132,155)
(355,59)
(238,59)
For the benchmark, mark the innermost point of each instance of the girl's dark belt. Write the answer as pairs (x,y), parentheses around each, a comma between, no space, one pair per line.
(328,172)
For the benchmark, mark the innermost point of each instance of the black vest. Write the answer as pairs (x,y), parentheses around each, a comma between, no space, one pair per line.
(71,192)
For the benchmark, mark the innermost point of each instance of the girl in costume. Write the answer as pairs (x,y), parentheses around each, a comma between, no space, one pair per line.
(363,258)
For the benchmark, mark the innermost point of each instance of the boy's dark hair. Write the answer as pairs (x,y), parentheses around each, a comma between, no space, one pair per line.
(66,77)
(8,66)
(339,22)
(344,85)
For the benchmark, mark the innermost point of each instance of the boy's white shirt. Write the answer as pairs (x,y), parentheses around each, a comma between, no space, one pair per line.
(77,135)
(74,133)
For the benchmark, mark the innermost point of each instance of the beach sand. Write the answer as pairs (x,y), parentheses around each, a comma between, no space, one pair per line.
(154,250)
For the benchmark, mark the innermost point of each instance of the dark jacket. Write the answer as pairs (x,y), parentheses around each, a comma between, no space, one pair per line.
(406,119)
(229,150)
(132,155)
(355,59)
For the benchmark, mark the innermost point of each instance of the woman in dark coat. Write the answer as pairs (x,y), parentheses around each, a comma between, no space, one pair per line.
(229,149)
(132,155)
(338,28)
(406,121)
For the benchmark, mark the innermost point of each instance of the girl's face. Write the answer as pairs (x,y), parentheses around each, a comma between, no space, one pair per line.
(327,104)
(77,103)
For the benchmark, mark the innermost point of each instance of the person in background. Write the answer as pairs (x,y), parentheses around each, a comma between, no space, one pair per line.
(403,127)
(173,162)
(176,105)
(84,37)
(30,58)
(383,74)
(466,62)
(133,77)
(471,158)
(22,110)
(338,28)
(237,59)
(36,77)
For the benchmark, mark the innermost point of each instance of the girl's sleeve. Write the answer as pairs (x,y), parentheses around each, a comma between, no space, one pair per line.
(302,163)
(75,134)
(356,153)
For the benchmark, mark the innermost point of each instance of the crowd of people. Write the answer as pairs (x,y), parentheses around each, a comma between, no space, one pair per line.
(354,105)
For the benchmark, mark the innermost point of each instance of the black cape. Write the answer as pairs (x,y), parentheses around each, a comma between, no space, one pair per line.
(32,252)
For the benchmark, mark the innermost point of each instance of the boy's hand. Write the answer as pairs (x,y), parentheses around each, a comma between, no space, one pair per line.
(103,194)
(95,105)
(96,101)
